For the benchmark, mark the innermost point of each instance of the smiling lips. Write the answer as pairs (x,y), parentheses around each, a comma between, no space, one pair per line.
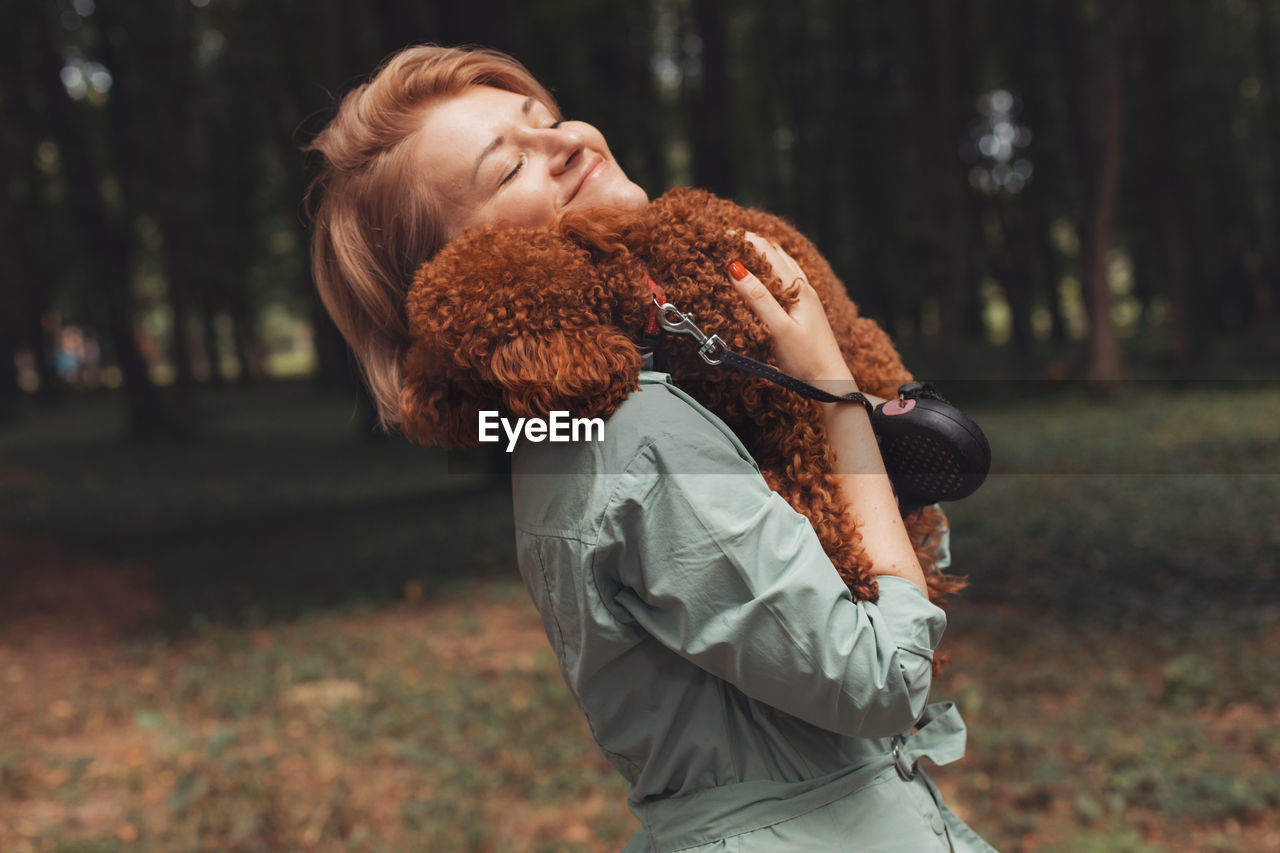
(587,173)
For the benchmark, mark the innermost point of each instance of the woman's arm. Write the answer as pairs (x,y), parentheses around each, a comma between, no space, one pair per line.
(714,565)
(806,348)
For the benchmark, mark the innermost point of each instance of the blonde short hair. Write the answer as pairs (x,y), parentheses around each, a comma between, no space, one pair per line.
(376,219)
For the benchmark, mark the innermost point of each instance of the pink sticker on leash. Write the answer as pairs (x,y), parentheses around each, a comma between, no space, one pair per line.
(898,407)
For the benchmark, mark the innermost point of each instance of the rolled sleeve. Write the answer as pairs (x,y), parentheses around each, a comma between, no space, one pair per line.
(722,571)
(917,626)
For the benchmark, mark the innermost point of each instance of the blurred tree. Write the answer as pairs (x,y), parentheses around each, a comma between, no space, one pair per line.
(1267,20)
(607,79)
(159,117)
(708,99)
(104,178)
(941,28)
(854,119)
(893,188)
(1161,180)
(1035,62)
(313,54)
(1095,104)
(1019,181)
(238,132)
(23,298)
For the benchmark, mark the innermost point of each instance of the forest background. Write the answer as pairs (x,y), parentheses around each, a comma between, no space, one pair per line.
(227,605)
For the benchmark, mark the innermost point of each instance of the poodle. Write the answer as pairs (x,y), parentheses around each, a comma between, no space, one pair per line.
(532,320)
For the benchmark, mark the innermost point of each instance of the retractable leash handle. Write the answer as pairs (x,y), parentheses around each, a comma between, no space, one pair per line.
(932,451)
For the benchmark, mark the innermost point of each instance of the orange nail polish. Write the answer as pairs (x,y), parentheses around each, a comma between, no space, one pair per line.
(738,271)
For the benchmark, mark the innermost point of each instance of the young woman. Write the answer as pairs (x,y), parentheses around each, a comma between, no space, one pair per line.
(724,668)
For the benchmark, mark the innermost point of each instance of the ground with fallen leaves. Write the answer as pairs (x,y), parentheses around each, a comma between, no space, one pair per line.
(444,725)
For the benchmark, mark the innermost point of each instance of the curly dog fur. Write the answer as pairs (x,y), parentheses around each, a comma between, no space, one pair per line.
(527,321)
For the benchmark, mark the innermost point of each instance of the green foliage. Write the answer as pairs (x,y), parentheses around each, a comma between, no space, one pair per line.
(145,205)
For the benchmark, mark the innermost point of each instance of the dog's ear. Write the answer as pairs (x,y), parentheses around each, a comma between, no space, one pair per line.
(437,408)
(424,410)
(586,370)
(519,320)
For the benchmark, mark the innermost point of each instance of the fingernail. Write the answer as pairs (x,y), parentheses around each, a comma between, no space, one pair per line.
(738,271)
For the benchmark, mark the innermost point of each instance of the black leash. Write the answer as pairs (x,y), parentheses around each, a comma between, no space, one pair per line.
(714,351)
(932,451)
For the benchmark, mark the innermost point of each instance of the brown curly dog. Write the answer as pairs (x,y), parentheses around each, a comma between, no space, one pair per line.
(527,321)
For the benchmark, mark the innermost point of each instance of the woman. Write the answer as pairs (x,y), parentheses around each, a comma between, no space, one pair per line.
(724,668)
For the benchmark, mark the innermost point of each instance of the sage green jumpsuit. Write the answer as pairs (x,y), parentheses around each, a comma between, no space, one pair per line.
(723,668)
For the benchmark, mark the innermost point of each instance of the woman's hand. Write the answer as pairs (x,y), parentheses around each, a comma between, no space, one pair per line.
(805,347)
(803,342)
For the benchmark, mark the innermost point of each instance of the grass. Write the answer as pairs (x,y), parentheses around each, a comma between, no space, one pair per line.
(1156,502)
(445,726)
(338,656)
(1080,739)
(276,508)
(407,728)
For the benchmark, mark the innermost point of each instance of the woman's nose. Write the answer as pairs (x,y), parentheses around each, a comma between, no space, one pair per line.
(562,146)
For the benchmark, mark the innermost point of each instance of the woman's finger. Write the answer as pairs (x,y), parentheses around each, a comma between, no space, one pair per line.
(758,297)
(783,264)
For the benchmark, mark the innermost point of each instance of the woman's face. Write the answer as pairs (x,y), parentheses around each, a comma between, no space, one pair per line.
(499,157)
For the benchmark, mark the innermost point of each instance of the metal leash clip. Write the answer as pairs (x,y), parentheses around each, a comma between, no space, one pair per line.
(683,324)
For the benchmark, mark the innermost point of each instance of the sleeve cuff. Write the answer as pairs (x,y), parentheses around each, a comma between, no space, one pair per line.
(915,623)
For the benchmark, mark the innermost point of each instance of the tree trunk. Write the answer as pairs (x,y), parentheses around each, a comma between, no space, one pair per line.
(33,334)
(1104,346)
(1163,183)
(645,134)
(175,196)
(107,237)
(11,312)
(1267,21)
(1014,271)
(940,21)
(1097,152)
(178,275)
(212,345)
(709,106)
(248,351)
(178,225)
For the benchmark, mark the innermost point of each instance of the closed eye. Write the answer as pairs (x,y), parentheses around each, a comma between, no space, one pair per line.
(513,172)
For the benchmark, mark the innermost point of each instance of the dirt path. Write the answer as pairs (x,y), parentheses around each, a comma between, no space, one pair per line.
(63,615)
(53,596)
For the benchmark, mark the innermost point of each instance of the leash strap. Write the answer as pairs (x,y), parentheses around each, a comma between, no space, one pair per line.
(652,329)
(714,351)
